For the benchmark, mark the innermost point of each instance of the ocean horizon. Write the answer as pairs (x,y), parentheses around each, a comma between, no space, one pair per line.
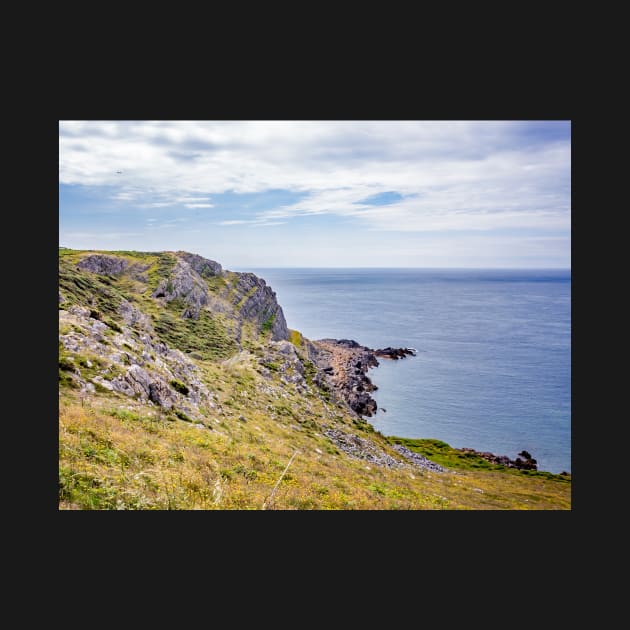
(493,364)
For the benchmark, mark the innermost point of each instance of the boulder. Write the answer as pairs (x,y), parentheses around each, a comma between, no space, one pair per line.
(161,394)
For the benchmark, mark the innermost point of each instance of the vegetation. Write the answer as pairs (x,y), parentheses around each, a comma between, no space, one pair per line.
(268,323)
(442,453)
(207,337)
(179,387)
(120,452)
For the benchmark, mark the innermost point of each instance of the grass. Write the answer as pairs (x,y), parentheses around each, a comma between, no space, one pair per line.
(180,387)
(295,337)
(207,337)
(444,454)
(117,452)
(126,455)
(268,323)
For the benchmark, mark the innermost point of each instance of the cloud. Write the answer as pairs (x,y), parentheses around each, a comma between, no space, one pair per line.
(262,222)
(444,175)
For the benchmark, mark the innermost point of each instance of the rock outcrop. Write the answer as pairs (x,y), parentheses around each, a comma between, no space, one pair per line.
(244,297)
(132,362)
(361,448)
(102,264)
(526,463)
(256,301)
(346,363)
(186,284)
(205,267)
(395,353)
(418,460)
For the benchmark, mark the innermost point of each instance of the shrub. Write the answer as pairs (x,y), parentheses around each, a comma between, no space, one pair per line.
(114,326)
(179,387)
(182,416)
(65,364)
(268,323)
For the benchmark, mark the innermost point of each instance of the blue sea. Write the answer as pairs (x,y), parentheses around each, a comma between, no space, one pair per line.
(493,368)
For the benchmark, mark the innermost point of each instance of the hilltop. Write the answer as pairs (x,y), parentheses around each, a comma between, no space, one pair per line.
(182,387)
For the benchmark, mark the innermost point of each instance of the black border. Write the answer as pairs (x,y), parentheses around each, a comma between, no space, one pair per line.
(408,91)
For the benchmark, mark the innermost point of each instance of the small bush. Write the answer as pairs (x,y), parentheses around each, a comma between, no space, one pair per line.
(67,380)
(268,323)
(113,325)
(179,387)
(65,364)
(182,416)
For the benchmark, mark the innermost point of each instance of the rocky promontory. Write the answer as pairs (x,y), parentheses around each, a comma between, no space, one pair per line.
(524,461)
(346,363)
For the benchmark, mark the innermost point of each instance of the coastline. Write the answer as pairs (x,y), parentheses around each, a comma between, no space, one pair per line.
(346,362)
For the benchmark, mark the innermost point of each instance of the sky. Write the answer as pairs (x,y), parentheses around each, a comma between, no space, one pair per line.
(256,194)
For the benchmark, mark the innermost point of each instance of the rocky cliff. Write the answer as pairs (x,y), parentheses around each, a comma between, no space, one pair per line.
(180,386)
(139,320)
(147,316)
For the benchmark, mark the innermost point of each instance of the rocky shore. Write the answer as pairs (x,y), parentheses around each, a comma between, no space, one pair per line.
(523,462)
(346,363)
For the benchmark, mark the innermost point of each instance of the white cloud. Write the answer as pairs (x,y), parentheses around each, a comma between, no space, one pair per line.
(452,175)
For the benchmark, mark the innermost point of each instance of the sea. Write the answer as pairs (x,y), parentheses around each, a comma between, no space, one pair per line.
(493,365)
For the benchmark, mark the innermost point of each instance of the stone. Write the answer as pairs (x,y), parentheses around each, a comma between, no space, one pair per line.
(79,311)
(103,265)
(139,380)
(161,394)
(103,383)
(418,460)
(185,283)
(256,301)
(203,266)
(360,448)
(134,317)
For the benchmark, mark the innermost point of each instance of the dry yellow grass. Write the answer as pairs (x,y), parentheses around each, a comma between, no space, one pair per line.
(116,453)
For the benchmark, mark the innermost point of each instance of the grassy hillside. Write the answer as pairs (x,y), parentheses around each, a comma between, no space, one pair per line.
(240,409)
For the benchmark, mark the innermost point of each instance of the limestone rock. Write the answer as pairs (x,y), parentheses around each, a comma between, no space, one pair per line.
(104,265)
(257,301)
(161,394)
(203,266)
(134,317)
(184,283)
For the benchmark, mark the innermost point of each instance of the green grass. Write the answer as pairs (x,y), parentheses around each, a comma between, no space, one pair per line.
(216,284)
(88,289)
(268,323)
(160,269)
(444,454)
(182,416)
(207,337)
(179,387)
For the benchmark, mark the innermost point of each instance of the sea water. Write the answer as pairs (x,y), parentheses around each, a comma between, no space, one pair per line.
(493,367)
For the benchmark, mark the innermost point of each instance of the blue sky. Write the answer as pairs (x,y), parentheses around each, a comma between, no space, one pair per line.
(321,193)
